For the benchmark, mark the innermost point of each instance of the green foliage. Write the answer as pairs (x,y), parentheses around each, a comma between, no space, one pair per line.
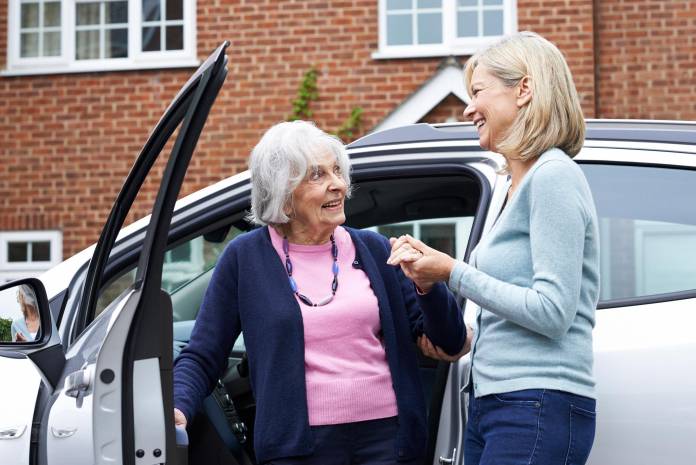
(350,125)
(307,92)
(5,332)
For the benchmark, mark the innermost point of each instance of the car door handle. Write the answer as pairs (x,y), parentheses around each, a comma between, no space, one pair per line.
(62,433)
(78,383)
(13,432)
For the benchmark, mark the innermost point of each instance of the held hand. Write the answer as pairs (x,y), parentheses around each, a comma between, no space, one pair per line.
(422,264)
(179,418)
(20,338)
(435,352)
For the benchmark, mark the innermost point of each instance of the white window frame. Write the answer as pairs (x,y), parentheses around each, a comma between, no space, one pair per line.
(66,62)
(451,44)
(15,270)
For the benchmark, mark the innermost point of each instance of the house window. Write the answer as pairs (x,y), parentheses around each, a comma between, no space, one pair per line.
(39,29)
(418,28)
(28,253)
(100,35)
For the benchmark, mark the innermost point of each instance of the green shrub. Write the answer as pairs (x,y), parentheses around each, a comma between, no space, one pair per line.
(5,332)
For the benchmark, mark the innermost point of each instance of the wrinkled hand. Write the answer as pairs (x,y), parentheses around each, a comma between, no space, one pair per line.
(435,352)
(421,264)
(179,418)
(20,337)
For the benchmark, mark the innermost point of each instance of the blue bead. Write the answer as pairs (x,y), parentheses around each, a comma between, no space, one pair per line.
(288,266)
(286,246)
(293,284)
(334,250)
(335,268)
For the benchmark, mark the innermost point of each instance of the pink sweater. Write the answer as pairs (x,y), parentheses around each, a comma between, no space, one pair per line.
(346,369)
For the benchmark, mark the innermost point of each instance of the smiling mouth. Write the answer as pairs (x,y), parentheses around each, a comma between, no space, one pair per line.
(333,204)
(479,123)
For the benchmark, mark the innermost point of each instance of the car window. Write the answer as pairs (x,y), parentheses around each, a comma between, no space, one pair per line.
(647,226)
(183,264)
(448,235)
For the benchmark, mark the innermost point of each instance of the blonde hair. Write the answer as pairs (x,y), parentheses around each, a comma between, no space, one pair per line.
(553,117)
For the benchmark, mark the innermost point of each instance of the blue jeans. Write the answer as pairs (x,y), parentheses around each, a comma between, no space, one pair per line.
(530,427)
(371,442)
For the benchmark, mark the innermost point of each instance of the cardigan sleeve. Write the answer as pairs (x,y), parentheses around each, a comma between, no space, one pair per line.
(437,314)
(217,326)
(557,219)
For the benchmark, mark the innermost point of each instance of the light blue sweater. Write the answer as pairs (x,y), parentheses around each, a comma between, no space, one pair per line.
(535,276)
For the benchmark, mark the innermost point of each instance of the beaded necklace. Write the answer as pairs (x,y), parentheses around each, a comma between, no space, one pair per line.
(293,285)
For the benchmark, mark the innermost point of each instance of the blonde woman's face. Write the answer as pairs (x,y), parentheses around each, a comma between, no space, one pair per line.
(493,107)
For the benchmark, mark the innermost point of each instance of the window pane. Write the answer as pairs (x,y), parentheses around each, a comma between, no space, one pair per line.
(440,236)
(468,2)
(87,45)
(17,251)
(647,227)
(117,13)
(175,9)
(30,15)
(41,251)
(87,13)
(399,30)
(175,37)
(51,14)
(492,23)
(29,45)
(51,44)
(430,28)
(492,2)
(399,4)
(467,24)
(151,39)
(151,11)
(429,3)
(116,43)
(395,230)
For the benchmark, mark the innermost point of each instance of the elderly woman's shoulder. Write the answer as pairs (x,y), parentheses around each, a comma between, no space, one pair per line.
(371,239)
(246,241)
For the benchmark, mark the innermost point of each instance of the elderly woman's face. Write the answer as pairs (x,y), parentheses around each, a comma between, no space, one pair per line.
(493,107)
(318,200)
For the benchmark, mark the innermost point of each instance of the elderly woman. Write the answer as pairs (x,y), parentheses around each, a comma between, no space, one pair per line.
(26,327)
(535,275)
(328,325)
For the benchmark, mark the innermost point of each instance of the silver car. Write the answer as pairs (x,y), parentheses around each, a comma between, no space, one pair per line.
(95,385)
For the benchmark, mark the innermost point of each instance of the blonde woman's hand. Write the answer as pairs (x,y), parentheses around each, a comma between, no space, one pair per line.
(435,352)
(424,265)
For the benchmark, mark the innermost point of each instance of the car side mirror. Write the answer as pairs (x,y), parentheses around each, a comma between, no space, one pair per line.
(27,329)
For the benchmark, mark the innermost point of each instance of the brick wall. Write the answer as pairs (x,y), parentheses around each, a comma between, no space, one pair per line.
(647,59)
(68,141)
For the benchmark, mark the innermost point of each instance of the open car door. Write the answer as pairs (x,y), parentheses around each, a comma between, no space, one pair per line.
(108,400)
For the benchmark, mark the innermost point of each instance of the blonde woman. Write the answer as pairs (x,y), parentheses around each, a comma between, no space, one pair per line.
(535,276)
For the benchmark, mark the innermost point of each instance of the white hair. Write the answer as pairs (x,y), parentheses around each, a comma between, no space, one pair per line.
(281,160)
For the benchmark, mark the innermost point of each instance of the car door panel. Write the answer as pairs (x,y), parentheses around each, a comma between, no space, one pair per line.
(644,359)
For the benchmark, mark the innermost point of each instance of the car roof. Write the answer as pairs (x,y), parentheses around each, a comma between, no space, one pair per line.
(672,132)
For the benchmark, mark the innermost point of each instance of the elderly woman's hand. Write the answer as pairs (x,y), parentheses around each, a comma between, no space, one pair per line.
(422,264)
(433,351)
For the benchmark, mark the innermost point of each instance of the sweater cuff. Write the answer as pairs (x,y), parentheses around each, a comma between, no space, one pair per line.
(456,276)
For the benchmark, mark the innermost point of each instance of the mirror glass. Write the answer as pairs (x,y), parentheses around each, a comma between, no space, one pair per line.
(19,315)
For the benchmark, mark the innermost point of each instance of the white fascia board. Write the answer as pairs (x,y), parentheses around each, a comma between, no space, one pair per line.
(449,80)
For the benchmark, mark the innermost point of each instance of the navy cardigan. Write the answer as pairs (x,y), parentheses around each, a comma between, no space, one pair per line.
(249,291)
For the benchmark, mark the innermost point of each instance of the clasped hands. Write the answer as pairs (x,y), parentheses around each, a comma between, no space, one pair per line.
(425,266)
